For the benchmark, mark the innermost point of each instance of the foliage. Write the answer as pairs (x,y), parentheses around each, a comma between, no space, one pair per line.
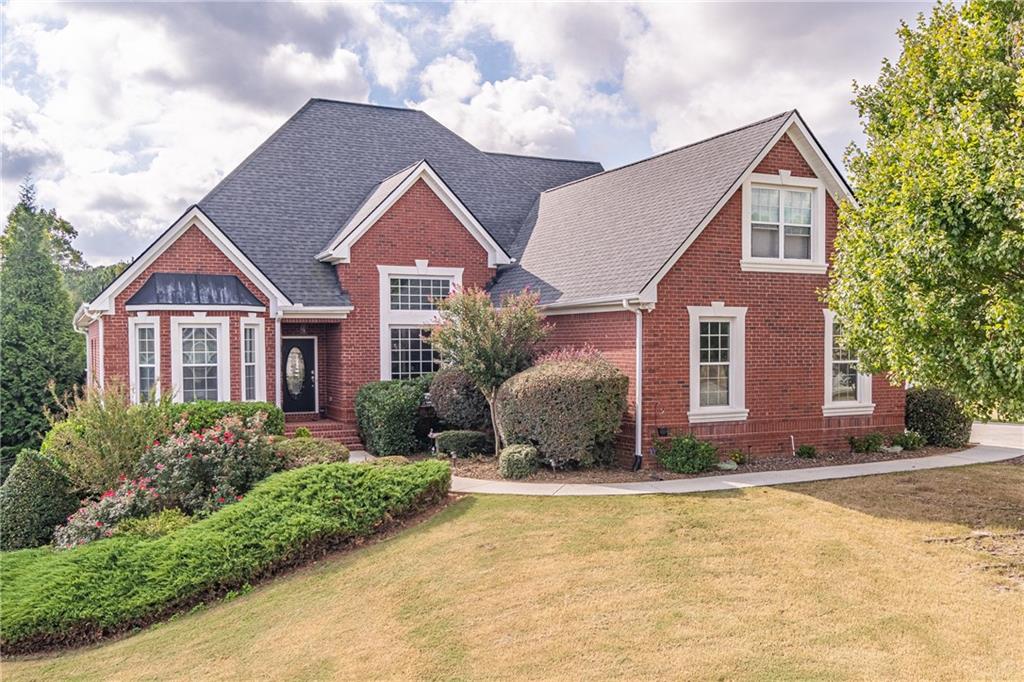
(570,410)
(104,435)
(97,519)
(686,454)
(65,598)
(936,415)
(517,461)
(457,400)
(293,453)
(806,452)
(199,472)
(202,414)
(928,275)
(868,443)
(738,456)
(34,499)
(303,432)
(462,443)
(391,460)
(155,525)
(489,344)
(387,413)
(38,345)
(909,440)
(566,354)
(86,283)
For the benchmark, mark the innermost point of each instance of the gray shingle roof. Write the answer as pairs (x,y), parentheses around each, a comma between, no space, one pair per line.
(283,204)
(609,234)
(177,288)
(544,173)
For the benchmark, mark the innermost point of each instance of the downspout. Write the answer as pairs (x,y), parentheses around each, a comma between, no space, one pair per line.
(277,360)
(638,426)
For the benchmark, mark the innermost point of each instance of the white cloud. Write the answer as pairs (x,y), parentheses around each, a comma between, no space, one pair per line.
(450,77)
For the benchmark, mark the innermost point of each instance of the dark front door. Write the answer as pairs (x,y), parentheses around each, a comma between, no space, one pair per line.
(299,379)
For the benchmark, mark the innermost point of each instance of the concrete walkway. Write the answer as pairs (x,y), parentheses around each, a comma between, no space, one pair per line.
(981,454)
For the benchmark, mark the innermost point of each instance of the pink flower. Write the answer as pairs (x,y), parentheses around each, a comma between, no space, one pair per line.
(221,500)
(160,467)
(99,524)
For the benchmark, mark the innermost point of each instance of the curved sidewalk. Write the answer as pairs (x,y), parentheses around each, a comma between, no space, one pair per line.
(982,454)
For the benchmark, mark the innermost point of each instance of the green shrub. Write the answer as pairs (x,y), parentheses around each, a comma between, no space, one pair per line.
(570,410)
(391,460)
(124,582)
(868,443)
(104,435)
(462,443)
(97,519)
(517,461)
(202,414)
(457,400)
(155,525)
(293,453)
(806,452)
(388,412)
(738,456)
(938,417)
(302,432)
(34,500)
(909,440)
(686,454)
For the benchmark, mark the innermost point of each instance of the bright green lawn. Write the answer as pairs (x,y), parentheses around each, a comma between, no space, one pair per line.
(831,581)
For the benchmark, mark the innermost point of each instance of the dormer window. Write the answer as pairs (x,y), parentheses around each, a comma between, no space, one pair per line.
(783,224)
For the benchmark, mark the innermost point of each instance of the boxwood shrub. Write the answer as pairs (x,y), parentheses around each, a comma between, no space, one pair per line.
(35,499)
(517,461)
(463,443)
(293,453)
(202,414)
(388,412)
(686,454)
(124,582)
(457,400)
(570,410)
(938,417)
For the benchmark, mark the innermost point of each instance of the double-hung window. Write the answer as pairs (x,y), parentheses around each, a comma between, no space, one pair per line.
(783,224)
(847,391)
(254,379)
(144,357)
(409,298)
(717,357)
(200,359)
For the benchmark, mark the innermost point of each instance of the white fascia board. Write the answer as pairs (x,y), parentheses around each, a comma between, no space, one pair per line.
(327,312)
(341,250)
(603,304)
(193,217)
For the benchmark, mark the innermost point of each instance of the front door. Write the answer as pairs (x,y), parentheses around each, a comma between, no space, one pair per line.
(299,368)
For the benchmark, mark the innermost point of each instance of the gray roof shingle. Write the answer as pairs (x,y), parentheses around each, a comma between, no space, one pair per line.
(543,173)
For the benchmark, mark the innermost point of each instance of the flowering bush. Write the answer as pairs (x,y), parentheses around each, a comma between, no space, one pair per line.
(98,518)
(201,472)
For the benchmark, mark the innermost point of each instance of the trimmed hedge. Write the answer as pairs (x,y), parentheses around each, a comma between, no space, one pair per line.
(462,443)
(570,410)
(124,582)
(387,413)
(686,454)
(34,500)
(202,414)
(457,400)
(938,417)
(293,453)
(517,461)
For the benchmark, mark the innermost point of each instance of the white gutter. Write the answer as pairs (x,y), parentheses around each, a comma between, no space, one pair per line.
(277,360)
(638,427)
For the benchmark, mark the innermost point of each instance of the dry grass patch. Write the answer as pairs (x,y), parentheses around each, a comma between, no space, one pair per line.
(827,580)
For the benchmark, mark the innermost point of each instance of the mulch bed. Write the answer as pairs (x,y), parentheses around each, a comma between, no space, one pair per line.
(487,467)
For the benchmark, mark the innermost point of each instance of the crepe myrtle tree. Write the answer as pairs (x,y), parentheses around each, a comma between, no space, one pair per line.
(928,272)
(490,344)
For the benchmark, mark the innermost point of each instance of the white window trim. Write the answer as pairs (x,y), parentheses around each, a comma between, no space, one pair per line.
(830,408)
(256,323)
(817,265)
(133,359)
(223,353)
(406,318)
(736,409)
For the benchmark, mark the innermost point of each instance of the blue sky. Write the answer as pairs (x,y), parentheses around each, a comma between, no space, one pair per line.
(125,114)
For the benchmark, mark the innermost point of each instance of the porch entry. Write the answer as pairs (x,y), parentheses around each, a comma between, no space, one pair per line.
(299,380)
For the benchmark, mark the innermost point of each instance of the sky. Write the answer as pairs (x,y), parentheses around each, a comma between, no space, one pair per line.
(126,114)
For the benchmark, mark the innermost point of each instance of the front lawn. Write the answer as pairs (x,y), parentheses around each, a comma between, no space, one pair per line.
(873,578)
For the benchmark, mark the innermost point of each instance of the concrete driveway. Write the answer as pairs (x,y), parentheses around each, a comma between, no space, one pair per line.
(998,433)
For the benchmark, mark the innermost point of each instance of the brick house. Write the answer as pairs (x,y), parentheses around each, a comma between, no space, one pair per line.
(309,271)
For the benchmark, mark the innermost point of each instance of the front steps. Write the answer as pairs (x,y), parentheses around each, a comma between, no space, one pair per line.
(327,429)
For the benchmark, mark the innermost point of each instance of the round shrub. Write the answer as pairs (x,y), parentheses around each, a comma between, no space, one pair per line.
(34,500)
(686,454)
(462,443)
(293,453)
(517,461)
(303,432)
(938,417)
(806,452)
(569,410)
(457,400)
(387,413)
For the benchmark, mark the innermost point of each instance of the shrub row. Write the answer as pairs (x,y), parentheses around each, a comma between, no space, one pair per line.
(73,597)
(463,443)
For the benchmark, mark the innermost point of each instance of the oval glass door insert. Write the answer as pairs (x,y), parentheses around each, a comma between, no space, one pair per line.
(295,372)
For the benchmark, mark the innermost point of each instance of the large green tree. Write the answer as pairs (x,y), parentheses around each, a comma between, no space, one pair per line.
(37,342)
(928,274)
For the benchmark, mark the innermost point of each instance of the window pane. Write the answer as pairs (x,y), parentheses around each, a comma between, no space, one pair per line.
(199,383)
(145,345)
(764,205)
(250,344)
(839,353)
(410,355)
(798,208)
(250,382)
(844,381)
(764,241)
(714,363)
(798,242)
(147,382)
(418,293)
(714,385)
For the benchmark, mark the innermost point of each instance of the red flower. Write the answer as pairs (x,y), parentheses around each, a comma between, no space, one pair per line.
(99,524)
(221,500)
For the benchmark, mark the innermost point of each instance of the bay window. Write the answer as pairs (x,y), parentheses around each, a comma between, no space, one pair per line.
(254,374)
(200,358)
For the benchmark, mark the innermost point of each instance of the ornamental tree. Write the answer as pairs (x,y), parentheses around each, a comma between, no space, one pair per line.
(928,273)
(489,344)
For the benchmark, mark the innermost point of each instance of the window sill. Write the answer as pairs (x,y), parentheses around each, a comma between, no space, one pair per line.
(844,410)
(771,265)
(731,414)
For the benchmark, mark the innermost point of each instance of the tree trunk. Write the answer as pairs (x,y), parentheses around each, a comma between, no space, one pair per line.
(492,403)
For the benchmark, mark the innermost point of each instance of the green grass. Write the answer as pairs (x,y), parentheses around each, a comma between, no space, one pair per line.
(833,580)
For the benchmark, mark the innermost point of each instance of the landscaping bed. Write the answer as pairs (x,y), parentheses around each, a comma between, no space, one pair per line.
(487,467)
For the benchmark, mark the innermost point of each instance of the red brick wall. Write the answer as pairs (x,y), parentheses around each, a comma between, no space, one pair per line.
(192,252)
(419,226)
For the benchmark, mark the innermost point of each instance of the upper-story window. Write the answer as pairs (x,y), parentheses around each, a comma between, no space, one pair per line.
(418,293)
(783,224)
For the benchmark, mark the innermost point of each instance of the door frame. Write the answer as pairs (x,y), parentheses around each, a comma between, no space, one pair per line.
(316,370)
